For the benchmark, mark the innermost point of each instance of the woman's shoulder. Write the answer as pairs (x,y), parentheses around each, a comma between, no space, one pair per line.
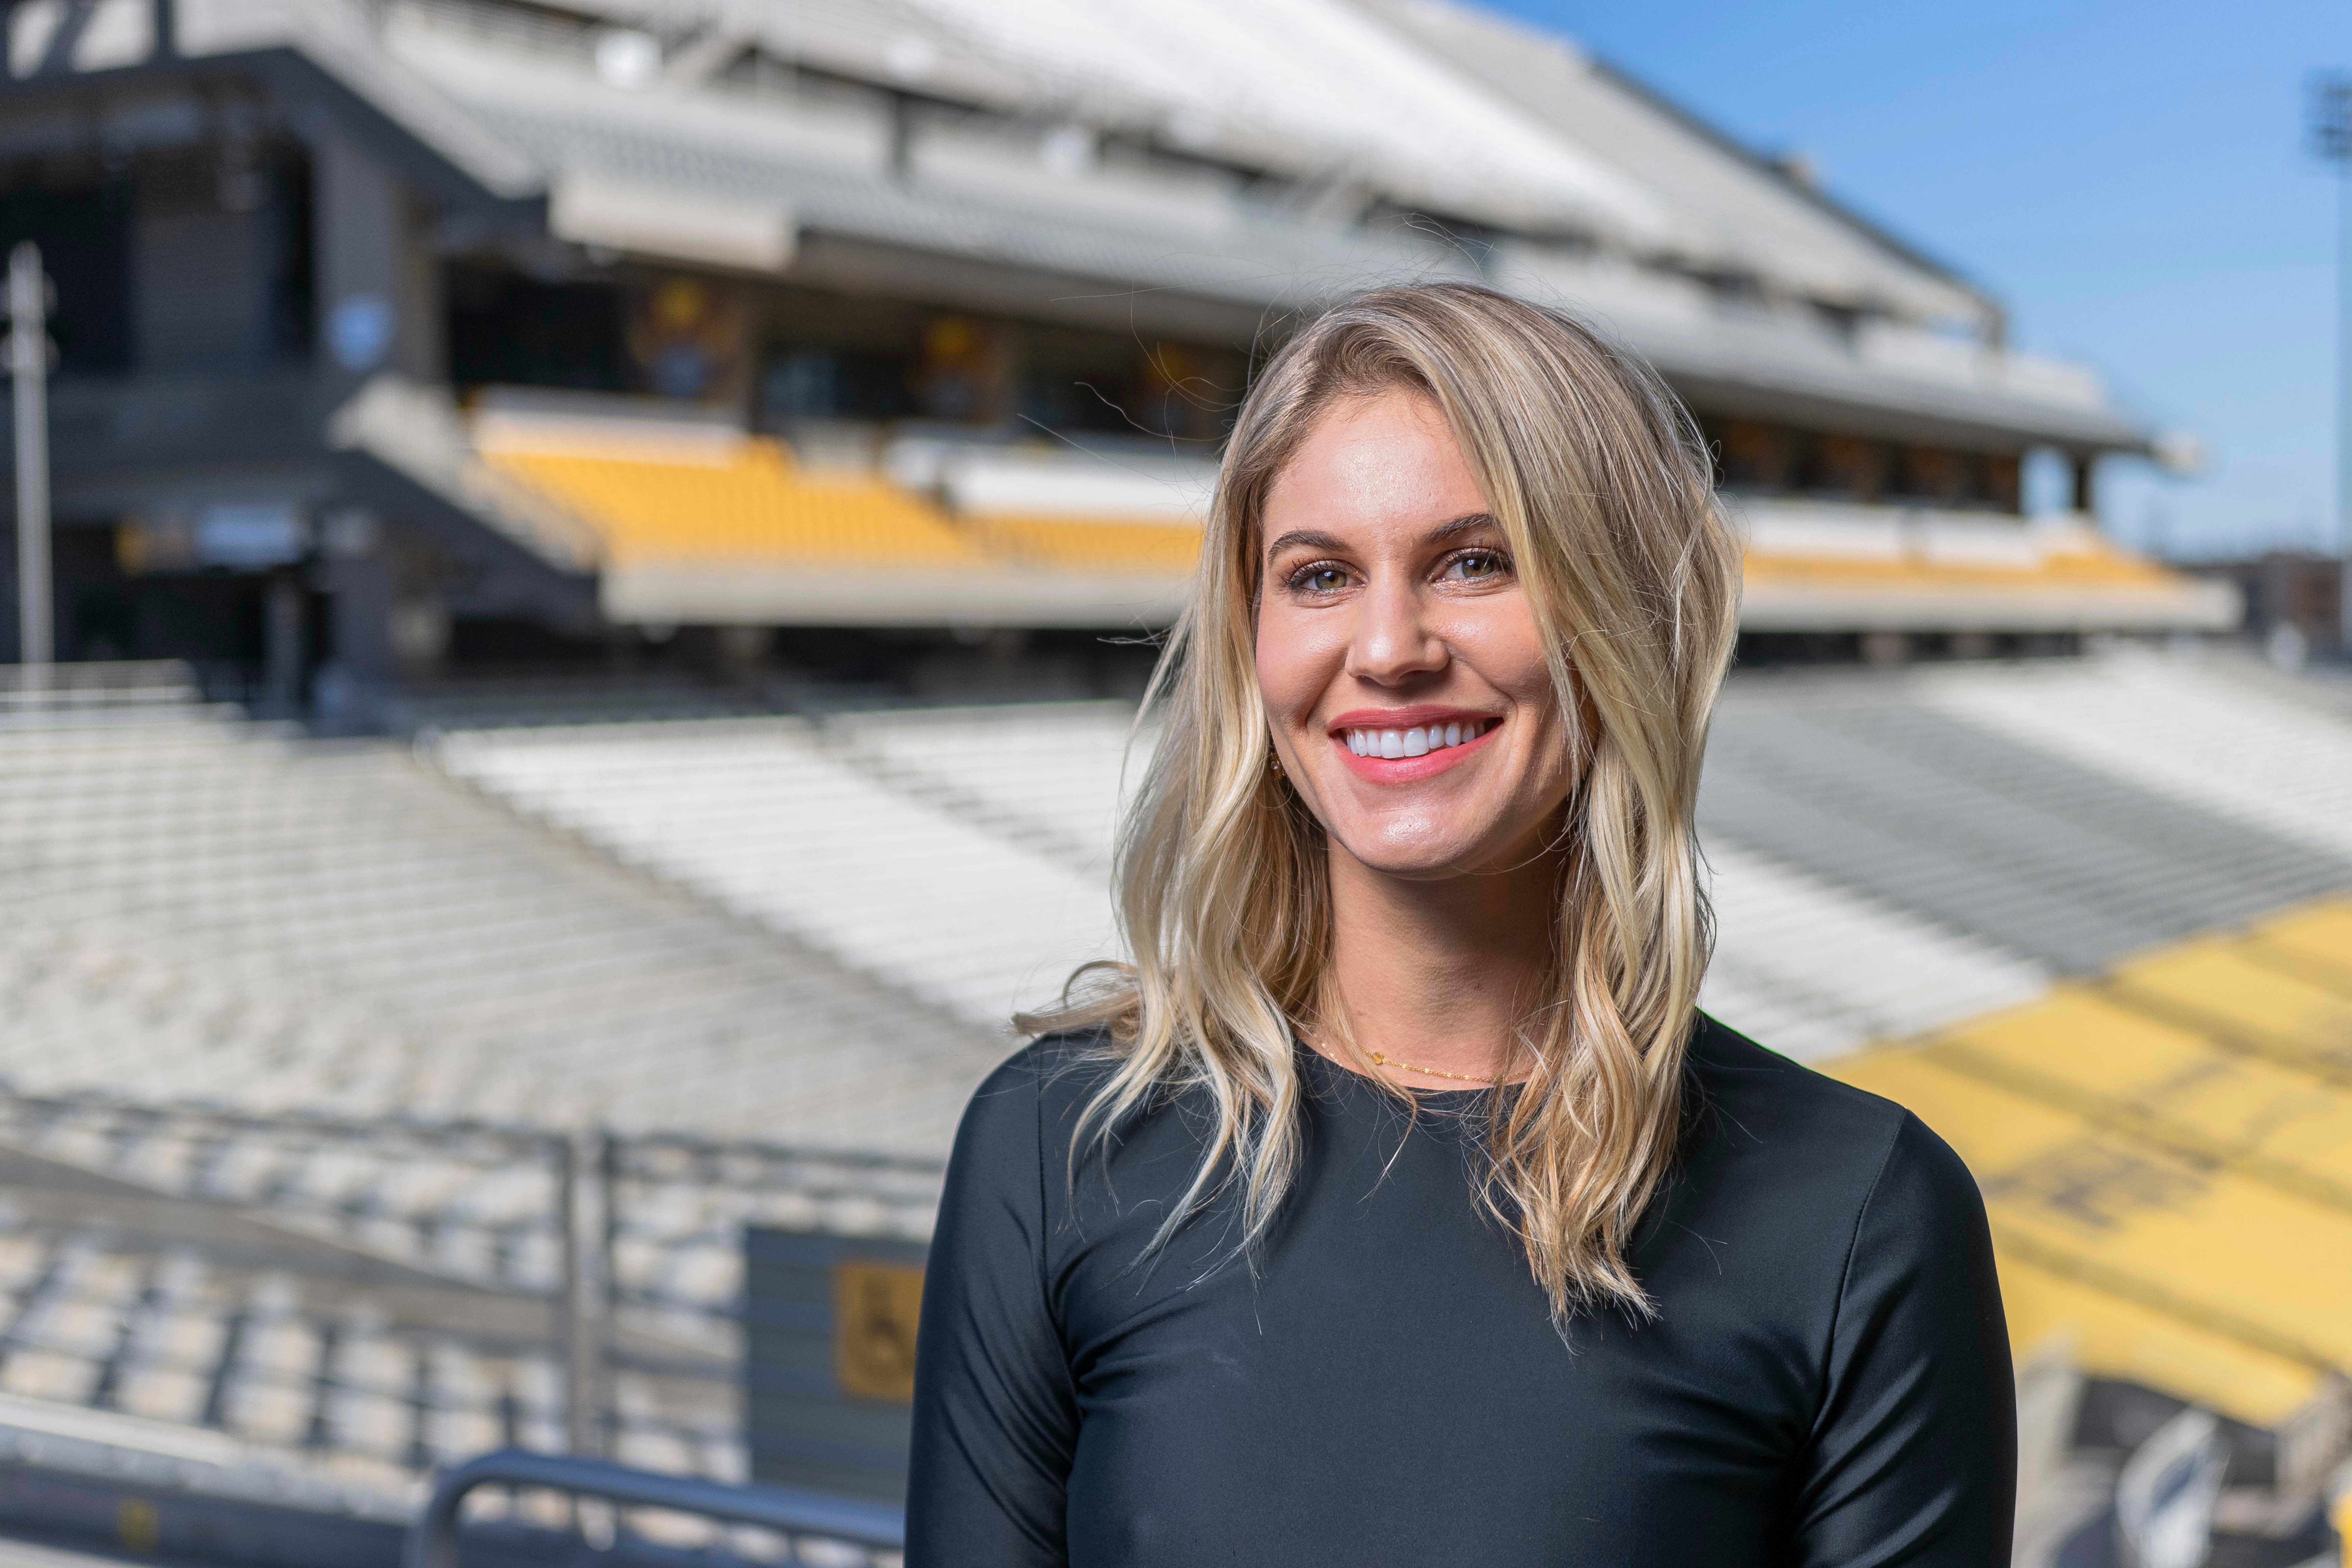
(1044,1083)
(1057,1066)
(1760,1118)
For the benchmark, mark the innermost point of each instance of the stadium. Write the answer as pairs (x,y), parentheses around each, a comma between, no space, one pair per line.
(605,553)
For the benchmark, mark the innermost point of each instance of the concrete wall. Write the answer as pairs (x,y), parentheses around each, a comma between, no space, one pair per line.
(374,264)
(215,261)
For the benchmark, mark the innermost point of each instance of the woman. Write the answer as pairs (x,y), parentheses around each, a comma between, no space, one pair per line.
(1395,1205)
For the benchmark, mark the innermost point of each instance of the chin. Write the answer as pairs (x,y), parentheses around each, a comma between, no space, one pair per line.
(1418,860)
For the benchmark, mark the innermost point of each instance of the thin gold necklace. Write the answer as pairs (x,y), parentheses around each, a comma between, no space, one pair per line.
(1382,1059)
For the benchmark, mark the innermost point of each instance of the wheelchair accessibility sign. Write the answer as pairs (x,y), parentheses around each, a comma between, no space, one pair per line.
(875,1309)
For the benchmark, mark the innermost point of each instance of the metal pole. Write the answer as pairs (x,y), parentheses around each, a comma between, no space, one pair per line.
(2344,405)
(2331,138)
(608,1297)
(571,1303)
(28,369)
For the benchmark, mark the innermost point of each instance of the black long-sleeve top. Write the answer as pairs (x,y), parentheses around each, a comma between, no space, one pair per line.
(1826,1381)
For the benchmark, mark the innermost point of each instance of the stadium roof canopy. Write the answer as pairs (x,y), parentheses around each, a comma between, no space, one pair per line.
(1204,167)
(1204,174)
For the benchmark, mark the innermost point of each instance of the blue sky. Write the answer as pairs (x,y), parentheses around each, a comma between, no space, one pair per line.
(2132,180)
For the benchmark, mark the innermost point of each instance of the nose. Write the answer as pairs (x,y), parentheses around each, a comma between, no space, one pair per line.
(1393,639)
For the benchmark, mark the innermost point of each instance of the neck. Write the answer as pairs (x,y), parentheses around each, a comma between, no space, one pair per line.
(1439,973)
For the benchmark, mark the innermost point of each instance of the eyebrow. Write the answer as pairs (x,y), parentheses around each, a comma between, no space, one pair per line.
(1468,522)
(1308,537)
(1312,540)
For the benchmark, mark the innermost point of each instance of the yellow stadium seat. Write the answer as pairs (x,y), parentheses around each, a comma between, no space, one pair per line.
(718,500)
(2055,572)
(1107,545)
(748,503)
(2139,1075)
(2314,941)
(2166,1161)
(2221,984)
(2107,1336)
(2215,1248)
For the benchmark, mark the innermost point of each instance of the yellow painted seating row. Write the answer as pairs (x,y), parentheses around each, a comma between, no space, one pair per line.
(2165,1157)
(748,499)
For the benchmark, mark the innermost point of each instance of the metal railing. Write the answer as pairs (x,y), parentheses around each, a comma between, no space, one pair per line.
(797,1516)
(878,1193)
(550,1251)
(116,683)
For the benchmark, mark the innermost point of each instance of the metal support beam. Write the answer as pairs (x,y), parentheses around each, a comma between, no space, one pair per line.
(582,1327)
(28,369)
(572,1332)
(2331,138)
(2343,403)
(608,1283)
(286,650)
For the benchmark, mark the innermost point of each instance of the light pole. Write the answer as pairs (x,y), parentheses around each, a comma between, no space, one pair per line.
(28,368)
(2331,138)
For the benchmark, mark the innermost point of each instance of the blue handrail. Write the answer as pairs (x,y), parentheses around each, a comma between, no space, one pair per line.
(432,1543)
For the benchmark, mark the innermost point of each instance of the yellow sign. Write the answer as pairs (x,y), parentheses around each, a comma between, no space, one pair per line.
(874,1308)
(138,1525)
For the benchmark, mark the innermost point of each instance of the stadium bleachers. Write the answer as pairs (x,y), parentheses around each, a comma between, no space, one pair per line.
(1046,775)
(1843,815)
(2009,842)
(205,912)
(2239,742)
(343,992)
(761,816)
(170,1339)
(104,1303)
(1894,973)
(190,898)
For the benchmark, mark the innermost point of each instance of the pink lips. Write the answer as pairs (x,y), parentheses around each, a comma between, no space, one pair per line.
(1409,769)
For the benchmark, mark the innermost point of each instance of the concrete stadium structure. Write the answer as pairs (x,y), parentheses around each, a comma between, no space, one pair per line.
(397,335)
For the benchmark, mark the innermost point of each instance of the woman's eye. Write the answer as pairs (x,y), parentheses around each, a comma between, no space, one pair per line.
(1320,580)
(1474,565)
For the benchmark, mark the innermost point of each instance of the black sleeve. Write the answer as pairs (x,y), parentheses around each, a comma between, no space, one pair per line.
(1913,1459)
(995,1417)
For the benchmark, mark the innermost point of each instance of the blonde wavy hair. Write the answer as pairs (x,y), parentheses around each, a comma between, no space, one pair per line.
(1597,477)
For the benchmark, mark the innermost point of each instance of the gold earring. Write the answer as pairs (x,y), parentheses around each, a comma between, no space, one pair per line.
(1275,763)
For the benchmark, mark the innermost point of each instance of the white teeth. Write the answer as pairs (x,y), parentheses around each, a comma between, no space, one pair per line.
(1413,742)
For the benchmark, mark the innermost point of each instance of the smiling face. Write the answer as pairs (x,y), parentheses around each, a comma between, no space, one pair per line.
(1402,670)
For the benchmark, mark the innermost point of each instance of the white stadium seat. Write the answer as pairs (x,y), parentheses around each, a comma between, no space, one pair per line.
(759,815)
(2219,738)
(1815,970)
